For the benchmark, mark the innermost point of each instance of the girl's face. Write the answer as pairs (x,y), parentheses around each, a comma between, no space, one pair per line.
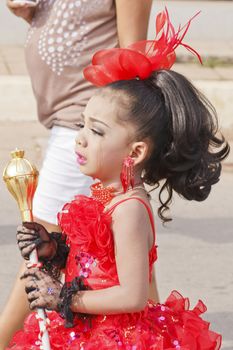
(103,142)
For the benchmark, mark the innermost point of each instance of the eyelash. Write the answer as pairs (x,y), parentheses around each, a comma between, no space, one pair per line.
(97,132)
(80,126)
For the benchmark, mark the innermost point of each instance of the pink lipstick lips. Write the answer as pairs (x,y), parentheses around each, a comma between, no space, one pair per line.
(81,159)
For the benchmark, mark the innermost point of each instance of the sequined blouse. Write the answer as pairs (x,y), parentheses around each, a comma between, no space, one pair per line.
(62,38)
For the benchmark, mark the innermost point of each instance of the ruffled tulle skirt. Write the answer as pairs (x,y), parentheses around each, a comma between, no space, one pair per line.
(167,326)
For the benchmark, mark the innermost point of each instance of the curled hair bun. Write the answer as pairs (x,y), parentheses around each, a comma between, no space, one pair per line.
(190,163)
(182,126)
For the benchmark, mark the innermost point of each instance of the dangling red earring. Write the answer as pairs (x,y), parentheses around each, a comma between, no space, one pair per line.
(127,173)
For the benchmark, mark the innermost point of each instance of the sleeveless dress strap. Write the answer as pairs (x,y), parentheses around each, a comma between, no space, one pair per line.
(151,217)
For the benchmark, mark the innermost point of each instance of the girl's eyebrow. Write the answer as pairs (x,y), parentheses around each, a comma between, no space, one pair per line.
(95,120)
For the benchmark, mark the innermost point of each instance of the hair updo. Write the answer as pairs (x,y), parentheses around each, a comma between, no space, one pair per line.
(182,125)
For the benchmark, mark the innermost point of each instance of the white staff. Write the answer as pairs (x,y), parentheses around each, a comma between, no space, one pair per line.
(21,178)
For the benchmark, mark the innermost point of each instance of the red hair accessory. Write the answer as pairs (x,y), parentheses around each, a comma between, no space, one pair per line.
(140,59)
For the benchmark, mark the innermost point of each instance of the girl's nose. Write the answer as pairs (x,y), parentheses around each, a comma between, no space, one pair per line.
(80,139)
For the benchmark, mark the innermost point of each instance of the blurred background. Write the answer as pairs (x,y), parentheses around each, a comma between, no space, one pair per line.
(196,248)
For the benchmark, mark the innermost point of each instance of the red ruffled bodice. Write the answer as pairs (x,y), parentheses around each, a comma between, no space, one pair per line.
(167,326)
(89,235)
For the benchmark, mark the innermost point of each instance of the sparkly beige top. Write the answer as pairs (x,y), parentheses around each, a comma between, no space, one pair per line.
(61,41)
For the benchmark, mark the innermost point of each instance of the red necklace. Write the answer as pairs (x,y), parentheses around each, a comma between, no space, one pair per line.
(105,194)
(101,193)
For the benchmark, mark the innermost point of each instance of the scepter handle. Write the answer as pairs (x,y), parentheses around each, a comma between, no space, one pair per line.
(40,312)
(21,178)
(26,215)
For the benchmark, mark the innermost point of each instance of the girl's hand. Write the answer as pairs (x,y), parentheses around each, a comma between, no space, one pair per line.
(21,10)
(32,235)
(43,291)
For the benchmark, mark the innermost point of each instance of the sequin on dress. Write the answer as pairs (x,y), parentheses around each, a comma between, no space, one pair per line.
(168,326)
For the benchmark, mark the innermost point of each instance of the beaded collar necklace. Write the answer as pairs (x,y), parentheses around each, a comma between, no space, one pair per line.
(105,194)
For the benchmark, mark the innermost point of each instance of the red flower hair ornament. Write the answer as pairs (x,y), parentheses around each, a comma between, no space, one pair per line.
(140,59)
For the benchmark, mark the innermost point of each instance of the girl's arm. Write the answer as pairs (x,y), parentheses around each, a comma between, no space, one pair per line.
(133,238)
(11,318)
(132,20)
(153,292)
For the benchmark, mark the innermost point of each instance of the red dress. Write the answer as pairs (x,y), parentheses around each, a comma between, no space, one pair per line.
(171,325)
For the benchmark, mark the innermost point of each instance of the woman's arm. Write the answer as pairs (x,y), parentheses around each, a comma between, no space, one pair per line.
(132,20)
(132,237)
(24,11)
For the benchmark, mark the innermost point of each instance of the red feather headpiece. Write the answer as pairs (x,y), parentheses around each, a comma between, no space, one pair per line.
(140,59)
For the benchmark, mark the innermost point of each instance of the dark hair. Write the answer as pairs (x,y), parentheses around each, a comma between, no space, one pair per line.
(182,125)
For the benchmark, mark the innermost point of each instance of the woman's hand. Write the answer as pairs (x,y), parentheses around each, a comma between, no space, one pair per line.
(32,235)
(21,10)
(43,291)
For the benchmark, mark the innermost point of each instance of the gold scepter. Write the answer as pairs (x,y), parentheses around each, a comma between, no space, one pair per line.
(21,179)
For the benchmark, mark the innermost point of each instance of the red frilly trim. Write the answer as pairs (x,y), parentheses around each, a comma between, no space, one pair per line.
(192,331)
(140,59)
(168,326)
(86,225)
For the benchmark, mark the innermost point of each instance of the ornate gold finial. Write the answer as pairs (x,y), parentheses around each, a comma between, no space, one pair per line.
(21,179)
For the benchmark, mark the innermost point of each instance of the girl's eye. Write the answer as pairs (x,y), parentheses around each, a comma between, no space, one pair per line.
(80,126)
(96,132)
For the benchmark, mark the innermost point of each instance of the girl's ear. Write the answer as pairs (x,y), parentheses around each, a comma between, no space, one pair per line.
(139,152)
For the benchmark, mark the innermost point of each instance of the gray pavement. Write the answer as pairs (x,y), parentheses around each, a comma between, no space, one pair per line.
(195,254)
(214,22)
(195,249)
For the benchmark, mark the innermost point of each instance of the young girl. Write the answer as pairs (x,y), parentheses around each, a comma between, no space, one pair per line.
(147,125)
(63,34)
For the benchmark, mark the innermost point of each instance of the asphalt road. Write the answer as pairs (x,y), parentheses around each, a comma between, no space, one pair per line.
(196,249)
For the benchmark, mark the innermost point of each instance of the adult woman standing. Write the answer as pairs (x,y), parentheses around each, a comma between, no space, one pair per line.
(62,38)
